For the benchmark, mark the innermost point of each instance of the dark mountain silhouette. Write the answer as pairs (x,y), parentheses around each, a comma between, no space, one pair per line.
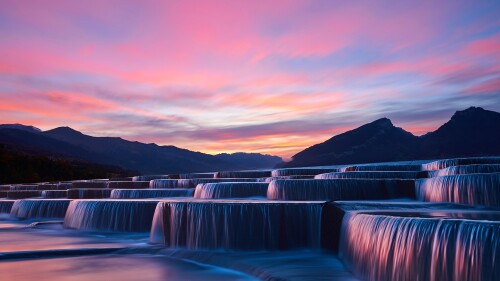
(251,160)
(37,144)
(67,143)
(20,167)
(30,129)
(379,140)
(471,132)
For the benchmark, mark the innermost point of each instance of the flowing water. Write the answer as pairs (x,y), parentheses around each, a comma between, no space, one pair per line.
(340,189)
(472,189)
(151,193)
(395,247)
(392,223)
(231,190)
(224,224)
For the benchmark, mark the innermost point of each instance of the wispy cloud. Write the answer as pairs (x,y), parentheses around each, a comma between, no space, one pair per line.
(267,76)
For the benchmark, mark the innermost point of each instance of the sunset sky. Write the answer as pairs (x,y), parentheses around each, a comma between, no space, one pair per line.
(254,76)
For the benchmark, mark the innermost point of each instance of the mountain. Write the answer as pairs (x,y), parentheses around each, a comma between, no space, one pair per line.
(35,143)
(30,129)
(471,132)
(19,167)
(379,140)
(67,143)
(146,158)
(251,160)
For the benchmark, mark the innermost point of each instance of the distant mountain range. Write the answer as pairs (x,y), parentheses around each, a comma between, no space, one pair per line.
(471,132)
(67,143)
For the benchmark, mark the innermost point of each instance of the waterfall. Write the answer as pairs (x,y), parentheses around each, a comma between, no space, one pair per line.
(48,186)
(151,193)
(191,183)
(243,174)
(89,184)
(110,215)
(445,163)
(150,177)
(340,189)
(39,208)
(303,171)
(368,168)
(381,247)
(6,205)
(93,193)
(270,179)
(472,189)
(230,190)
(127,184)
(64,185)
(334,212)
(164,183)
(55,194)
(373,175)
(196,176)
(22,194)
(24,187)
(466,169)
(244,225)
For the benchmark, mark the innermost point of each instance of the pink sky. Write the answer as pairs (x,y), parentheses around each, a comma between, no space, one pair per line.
(254,76)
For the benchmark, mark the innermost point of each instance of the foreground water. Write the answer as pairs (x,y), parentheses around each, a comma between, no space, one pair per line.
(32,250)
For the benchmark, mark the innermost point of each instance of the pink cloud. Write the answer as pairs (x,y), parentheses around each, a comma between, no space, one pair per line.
(208,66)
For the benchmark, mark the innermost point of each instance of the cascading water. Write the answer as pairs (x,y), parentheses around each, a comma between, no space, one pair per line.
(24,187)
(333,213)
(39,208)
(340,189)
(196,176)
(243,174)
(93,193)
(270,179)
(64,185)
(89,184)
(472,189)
(192,183)
(245,225)
(381,247)
(230,190)
(303,171)
(127,184)
(150,177)
(22,194)
(110,215)
(373,175)
(466,169)
(164,183)
(385,168)
(445,163)
(54,193)
(151,193)
(6,205)
(48,186)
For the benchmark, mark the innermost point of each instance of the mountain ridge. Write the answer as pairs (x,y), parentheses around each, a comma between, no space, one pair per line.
(65,142)
(470,132)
